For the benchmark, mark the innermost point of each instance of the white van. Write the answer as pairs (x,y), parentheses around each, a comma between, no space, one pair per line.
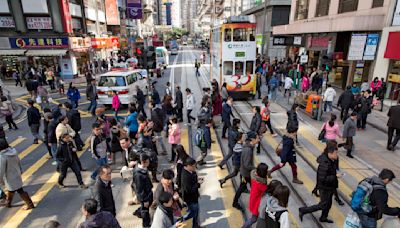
(162,58)
(124,82)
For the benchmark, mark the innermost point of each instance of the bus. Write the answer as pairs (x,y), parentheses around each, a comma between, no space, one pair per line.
(233,56)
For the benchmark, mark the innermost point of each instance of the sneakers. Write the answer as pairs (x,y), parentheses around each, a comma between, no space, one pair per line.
(60,186)
(83,186)
(54,163)
(274,135)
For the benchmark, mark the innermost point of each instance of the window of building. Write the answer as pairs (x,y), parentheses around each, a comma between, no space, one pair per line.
(249,67)
(228,35)
(377,3)
(239,67)
(239,34)
(251,32)
(348,6)
(301,9)
(228,68)
(322,8)
(4,8)
(35,6)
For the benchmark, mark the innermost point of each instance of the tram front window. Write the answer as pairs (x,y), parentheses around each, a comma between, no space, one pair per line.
(228,68)
(228,35)
(239,68)
(239,34)
(251,34)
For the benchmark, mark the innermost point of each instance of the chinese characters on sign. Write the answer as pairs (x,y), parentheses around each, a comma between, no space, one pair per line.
(357,45)
(370,48)
(39,23)
(7,22)
(105,42)
(27,42)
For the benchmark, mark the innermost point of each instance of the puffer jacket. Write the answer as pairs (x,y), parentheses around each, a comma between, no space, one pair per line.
(10,169)
(326,173)
(131,122)
(255,122)
(102,219)
(293,122)
(258,187)
(288,153)
(174,135)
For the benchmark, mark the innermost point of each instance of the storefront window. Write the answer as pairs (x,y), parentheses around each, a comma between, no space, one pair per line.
(239,68)
(228,68)
(228,35)
(239,34)
(394,80)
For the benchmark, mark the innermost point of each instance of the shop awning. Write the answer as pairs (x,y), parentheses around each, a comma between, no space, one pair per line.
(46,52)
(393,46)
(12,52)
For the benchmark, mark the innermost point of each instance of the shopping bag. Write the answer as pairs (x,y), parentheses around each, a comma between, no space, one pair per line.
(38,99)
(352,221)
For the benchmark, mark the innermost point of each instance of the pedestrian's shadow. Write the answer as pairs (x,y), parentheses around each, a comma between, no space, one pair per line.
(212,208)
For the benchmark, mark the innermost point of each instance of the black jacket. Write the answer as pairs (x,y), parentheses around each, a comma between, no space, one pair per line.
(293,122)
(143,185)
(104,196)
(91,92)
(33,116)
(130,155)
(232,135)
(288,153)
(140,97)
(190,187)
(379,199)
(158,118)
(393,114)
(65,152)
(255,122)
(178,99)
(326,173)
(74,119)
(346,99)
(226,113)
(51,132)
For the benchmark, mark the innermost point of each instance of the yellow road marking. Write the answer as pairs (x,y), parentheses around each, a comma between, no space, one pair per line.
(185,137)
(28,150)
(233,216)
(17,141)
(21,214)
(336,214)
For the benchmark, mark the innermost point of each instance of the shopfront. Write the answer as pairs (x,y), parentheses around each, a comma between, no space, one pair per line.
(79,54)
(104,47)
(393,53)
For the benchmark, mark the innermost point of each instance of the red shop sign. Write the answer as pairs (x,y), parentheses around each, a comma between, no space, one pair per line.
(320,42)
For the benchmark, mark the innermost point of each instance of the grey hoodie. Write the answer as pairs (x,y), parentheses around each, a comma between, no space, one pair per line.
(272,207)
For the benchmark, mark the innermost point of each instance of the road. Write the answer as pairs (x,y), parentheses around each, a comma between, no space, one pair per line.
(63,205)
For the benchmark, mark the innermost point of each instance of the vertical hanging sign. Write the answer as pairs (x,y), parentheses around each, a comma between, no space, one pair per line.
(134,9)
(66,16)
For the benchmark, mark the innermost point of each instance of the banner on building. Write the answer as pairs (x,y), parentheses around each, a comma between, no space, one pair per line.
(396,15)
(371,46)
(112,15)
(168,13)
(39,23)
(7,22)
(28,42)
(66,16)
(134,9)
(357,45)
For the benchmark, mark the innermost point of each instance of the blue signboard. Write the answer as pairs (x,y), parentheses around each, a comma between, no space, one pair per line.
(30,42)
(371,46)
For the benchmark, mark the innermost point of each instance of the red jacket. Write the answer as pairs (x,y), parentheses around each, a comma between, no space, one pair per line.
(258,187)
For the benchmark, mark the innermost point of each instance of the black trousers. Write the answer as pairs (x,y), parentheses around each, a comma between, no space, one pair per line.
(146,222)
(362,120)
(179,114)
(227,124)
(10,121)
(173,152)
(233,174)
(268,123)
(390,136)
(189,117)
(348,145)
(344,112)
(242,188)
(226,157)
(324,204)
(141,110)
(64,168)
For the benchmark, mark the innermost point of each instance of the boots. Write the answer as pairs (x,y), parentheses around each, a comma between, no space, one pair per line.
(29,204)
(9,198)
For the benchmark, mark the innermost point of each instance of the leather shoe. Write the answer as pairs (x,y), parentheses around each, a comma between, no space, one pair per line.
(301,214)
(326,220)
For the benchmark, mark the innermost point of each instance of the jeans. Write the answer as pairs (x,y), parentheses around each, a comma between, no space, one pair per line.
(145,212)
(35,131)
(54,151)
(273,94)
(99,162)
(367,222)
(250,222)
(74,104)
(362,120)
(329,105)
(193,212)
(226,158)
(64,168)
(92,107)
(160,141)
(197,72)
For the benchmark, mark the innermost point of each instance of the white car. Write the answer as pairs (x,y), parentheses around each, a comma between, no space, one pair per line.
(123,82)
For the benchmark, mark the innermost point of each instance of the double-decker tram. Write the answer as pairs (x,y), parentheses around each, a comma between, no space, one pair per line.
(233,56)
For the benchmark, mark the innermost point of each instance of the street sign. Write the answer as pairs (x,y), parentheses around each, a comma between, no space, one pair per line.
(304,59)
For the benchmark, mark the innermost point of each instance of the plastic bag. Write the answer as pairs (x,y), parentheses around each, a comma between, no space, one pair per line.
(38,99)
(352,221)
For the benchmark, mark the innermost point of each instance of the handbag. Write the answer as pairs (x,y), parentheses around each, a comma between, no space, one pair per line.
(279,149)
(321,135)
(262,129)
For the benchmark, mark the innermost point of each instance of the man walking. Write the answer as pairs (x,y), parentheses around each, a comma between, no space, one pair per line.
(179,103)
(158,118)
(189,105)
(205,143)
(102,190)
(98,147)
(74,120)
(91,95)
(393,125)
(141,99)
(94,218)
(329,97)
(349,131)
(346,101)
(226,115)
(144,187)
(34,117)
(197,66)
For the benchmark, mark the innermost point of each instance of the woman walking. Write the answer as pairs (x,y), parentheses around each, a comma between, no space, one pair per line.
(181,156)
(267,198)
(174,136)
(305,83)
(73,95)
(256,124)
(266,115)
(276,212)
(7,110)
(224,92)
(115,135)
(10,175)
(115,104)
(132,123)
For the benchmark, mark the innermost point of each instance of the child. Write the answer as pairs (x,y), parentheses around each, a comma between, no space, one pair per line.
(66,159)
(258,187)
(174,136)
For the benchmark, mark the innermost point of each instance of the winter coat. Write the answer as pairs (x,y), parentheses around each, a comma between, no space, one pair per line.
(91,92)
(163,218)
(115,102)
(331,132)
(115,136)
(305,84)
(189,187)
(174,134)
(102,219)
(190,102)
(74,119)
(237,154)
(168,109)
(288,82)
(393,114)
(143,185)
(178,99)
(376,86)
(103,194)
(255,122)
(217,106)
(232,135)
(130,155)
(132,123)
(156,97)
(273,82)
(330,94)
(65,152)
(140,98)
(51,132)
(258,187)
(158,118)
(293,122)
(355,90)
(6,108)
(275,215)
(10,169)
(33,115)
(346,99)
(224,93)
(349,128)
(364,86)
(226,113)
(247,160)
(73,94)
(64,129)
(288,153)
(98,146)
(326,173)
(263,205)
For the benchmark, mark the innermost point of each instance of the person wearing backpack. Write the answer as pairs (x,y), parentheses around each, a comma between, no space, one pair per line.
(327,181)
(205,142)
(378,199)
(226,115)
